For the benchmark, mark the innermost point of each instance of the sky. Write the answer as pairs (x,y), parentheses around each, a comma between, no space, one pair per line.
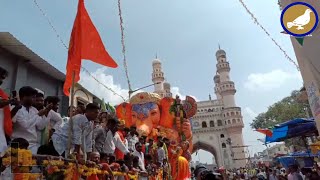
(184,34)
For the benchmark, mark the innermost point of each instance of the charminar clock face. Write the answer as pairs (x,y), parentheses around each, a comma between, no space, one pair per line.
(196,124)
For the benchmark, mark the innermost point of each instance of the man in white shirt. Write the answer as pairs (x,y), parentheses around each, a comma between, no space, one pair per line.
(294,173)
(273,175)
(82,132)
(161,152)
(138,153)
(132,138)
(112,138)
(55,119)
(28,120)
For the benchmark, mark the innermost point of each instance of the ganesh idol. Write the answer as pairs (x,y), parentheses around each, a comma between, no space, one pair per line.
(154,116)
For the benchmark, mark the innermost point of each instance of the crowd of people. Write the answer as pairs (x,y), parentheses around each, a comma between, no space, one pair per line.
(293,172)
(89,133)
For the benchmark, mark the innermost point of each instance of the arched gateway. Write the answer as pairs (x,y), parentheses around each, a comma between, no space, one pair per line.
(218,124)
(207,147)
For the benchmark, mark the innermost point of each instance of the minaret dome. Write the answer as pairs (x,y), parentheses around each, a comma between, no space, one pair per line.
(166,86)
(156,61)
(221,53)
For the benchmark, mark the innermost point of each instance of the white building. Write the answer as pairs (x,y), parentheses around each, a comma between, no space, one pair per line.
(273,151)
(217,127)
(162,87)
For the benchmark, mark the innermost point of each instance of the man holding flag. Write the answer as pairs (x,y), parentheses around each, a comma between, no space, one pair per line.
(85,43)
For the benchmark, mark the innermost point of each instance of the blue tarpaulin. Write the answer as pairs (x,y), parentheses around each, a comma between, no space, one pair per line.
(304,154)
(286,161)
(294,122)
(294,128)
(303,159)
(277,133)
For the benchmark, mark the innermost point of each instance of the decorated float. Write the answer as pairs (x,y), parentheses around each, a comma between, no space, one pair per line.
(165,117)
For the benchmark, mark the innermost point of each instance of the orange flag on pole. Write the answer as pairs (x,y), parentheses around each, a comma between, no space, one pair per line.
(85,43)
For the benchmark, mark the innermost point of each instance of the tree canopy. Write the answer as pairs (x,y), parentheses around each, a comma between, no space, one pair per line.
(286,109)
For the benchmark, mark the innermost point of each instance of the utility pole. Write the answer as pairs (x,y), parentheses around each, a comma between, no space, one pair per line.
(267,148)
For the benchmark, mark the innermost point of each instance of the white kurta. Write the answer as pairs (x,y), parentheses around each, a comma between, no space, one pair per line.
(3,141)
(141,163)
(112,142)
(26,124)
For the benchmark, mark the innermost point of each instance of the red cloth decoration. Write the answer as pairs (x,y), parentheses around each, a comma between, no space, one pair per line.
(93,177)
(85,43)
(143,149)
(267,132)
(118,153)
(7,122)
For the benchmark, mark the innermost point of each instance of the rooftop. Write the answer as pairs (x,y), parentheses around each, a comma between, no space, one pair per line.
(13,45)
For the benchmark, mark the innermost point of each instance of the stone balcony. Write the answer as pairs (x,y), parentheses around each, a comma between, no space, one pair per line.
(223,66)
(208,130)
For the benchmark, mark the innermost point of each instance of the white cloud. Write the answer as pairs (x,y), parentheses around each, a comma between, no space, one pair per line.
(97,89)
(176,91)
(270,80)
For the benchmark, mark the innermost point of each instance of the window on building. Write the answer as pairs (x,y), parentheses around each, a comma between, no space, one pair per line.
(222,135)
(224,145)
(204,124)
(219,123)
(211,124)
(238,120)
(234,121)
(232,113)
(227,114)
(229,122)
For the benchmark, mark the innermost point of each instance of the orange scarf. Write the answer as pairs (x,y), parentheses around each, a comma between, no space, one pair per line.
(7,123)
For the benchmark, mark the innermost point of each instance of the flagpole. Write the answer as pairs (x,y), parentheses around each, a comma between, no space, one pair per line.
(70,133)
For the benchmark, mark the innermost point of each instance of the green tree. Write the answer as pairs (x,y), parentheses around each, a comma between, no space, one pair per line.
(288,108)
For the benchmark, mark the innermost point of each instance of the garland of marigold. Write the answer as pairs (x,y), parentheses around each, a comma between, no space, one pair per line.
(20,161)
(22,157)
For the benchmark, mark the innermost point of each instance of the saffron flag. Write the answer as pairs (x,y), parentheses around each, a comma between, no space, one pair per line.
(267,132)
(85,43)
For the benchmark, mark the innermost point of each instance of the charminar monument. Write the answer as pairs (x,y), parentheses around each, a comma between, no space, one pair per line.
(218,124)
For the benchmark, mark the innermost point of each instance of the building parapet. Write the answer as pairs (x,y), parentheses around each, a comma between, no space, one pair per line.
(208,130)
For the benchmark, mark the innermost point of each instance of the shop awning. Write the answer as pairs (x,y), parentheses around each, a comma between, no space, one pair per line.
(293,128)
